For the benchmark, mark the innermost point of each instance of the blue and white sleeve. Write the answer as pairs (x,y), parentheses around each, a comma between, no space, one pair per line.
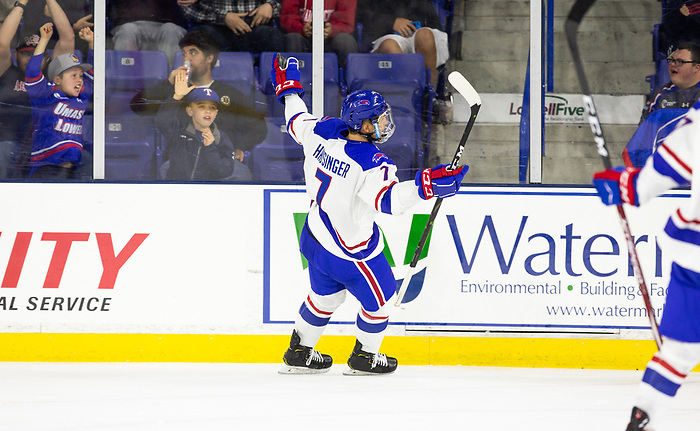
(672,164)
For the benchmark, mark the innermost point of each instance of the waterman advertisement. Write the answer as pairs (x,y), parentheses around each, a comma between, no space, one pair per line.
(223,258)
(515,258)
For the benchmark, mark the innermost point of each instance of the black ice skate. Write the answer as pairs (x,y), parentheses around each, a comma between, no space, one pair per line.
(365,363)
(638,421)
(300,359)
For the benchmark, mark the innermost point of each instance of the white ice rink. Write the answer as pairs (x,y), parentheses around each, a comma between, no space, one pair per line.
(174,396)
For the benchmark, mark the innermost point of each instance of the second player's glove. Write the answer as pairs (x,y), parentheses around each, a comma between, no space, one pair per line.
(617,185)
(285,77)
(439,181)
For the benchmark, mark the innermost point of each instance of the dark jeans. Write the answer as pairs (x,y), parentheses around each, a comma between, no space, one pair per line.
(54,172)
(342,45)
(262,38)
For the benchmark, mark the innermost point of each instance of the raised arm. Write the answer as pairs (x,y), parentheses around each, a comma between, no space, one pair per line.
(45,33)
(7,33)
(66,35)
(285,78)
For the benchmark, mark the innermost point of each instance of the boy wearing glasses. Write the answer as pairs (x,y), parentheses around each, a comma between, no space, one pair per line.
(683,89)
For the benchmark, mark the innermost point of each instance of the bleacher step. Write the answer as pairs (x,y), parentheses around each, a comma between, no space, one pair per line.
(615,41)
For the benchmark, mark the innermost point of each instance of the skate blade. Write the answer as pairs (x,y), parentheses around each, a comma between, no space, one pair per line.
(288,369)
(351,372)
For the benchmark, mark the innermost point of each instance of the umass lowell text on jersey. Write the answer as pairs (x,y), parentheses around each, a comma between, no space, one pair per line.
(58,118)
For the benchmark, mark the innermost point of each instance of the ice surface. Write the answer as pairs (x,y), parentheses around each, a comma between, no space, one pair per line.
(175,396)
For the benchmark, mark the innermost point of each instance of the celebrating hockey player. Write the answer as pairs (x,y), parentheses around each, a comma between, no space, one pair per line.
(349,180)
(674,164)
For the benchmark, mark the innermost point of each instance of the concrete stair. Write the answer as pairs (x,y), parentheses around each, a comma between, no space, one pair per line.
(616,45)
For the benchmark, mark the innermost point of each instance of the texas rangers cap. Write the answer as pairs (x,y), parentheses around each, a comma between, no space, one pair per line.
(64,62)
(200,93)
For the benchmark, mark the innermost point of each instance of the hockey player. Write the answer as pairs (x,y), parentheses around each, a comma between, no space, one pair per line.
(349,181)
(674,164)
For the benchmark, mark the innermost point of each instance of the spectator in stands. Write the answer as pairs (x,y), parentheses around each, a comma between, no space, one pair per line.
(237,117)
(339,26)
(15,116)
(153,25)
(6,7)
(683,89)
(680,22)
(77,12)
(58,108)
(83,16)
(690,11)
(671,102)
(199,151)
(54,13)
(238,25)
(396,26)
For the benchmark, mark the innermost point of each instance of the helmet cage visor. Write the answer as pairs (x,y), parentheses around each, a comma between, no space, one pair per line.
(383,126)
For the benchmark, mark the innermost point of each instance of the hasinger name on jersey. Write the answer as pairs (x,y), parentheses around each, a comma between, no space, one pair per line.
(334,165)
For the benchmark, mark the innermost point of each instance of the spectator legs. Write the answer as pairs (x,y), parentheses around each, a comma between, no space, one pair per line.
(425,44)
(389,46)
(126,37)
(265,38)
(8,156)
(167,39)
(296,42)
(262,38)
(342,44)
(148,35)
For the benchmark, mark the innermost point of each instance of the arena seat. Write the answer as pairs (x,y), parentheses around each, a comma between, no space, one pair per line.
(130,148)
(278,158)
(127,72)
(400,78)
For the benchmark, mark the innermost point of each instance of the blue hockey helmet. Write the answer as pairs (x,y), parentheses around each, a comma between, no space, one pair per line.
(363,105)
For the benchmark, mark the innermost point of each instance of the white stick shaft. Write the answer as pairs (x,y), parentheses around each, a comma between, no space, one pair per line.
(404,286)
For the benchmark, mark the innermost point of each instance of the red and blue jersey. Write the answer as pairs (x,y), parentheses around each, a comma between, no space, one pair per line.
(58,118)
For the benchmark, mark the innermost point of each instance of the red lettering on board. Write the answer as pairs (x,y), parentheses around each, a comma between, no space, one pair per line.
(112,262)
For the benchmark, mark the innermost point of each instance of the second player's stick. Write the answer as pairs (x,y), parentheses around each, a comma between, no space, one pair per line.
(576,14)
(463,87)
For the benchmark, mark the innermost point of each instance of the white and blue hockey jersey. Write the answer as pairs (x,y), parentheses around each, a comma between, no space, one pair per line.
(349,183)
(672,166)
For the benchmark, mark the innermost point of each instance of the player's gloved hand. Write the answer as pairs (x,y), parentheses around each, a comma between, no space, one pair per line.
(617,185)
(439,181)
(285,77)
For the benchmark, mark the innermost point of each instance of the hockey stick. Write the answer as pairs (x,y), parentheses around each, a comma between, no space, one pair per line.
(578,10)
(463,87)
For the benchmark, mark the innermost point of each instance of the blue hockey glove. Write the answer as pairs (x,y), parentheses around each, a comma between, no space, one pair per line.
(617,185)
(285,77)
(439,181)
